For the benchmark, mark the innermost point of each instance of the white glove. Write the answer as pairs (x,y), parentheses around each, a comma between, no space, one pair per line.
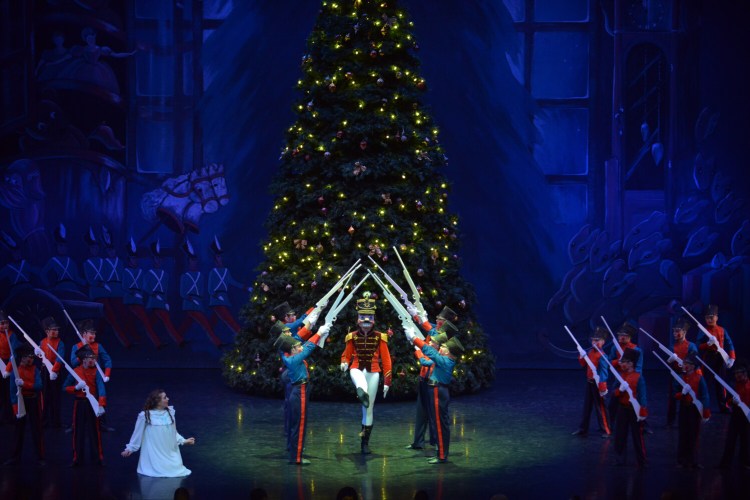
(19,416)
(640,418)
(106,379)
(412,310)
(705,420)
(385,390)
(623,387)
(602,394)
(686,389)
(313,317)
(423,319)
(101,411)
(673,358)
(53,376)
(730,363)
(736,400)
(39,353)
(19,382)
(712,341)
(410,333)
(344,366)
(3,372)
(416,348)
(80,386)
(324,330)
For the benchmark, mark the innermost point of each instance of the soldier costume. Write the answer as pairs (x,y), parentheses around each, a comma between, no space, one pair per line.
(192,286)
(594,395)
(627,421)
(62,267)
(6,414)
(219,280)
(156,283)
(689,418)
(51,382)
(87,436)
(739,426)
(711,354)
(134,294)
(30,382)
(682,348)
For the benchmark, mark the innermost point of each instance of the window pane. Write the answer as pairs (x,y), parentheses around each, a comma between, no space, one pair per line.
(569,203)
(150,9)
(563,144)
(557,11)
(155,139)
(154,74)
(515,61)
(560,65)
(517,9)
(187,73)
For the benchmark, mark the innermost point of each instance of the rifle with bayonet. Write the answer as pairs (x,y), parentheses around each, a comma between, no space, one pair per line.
(98,368)
(698,404)
(19,390)
(584,355)
(339,304)
(36,347)
(614,338)
(712,339)
(401,312)
(323,302)
(401,292)
(628,390)
(672,355)
(414,292)
(745,409)
(98,410)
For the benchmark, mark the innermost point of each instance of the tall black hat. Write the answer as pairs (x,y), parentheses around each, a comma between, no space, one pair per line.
(106,237)
(60,234)
(90,237)
(49,323)
(627,328)
(454,346)
(711,310)
(156,248)
(448,314)
(216,246)
(366,305)
(87,325)
(132,249)
(282,310)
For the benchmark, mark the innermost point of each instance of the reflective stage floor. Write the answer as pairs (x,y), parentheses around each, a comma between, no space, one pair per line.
(514,439)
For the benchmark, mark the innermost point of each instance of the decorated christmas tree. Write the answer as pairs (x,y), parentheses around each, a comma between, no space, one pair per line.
(360,175)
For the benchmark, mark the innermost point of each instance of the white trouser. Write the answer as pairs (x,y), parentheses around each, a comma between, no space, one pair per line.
(368,382)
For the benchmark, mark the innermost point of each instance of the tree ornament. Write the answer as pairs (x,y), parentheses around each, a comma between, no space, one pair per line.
(351,230)
(402,247)
(288,287)
(264,287)
(445,230)
(321,200)
(295,152)
(416,46)
(310,106)
(421,85)
(324,210)
(434,255)
(419,205)
(380,82)
(455,256)
(439,303)
(403,136)
(462,304)
(399,74)
(264,273)
(347,37)
(340,134)
(319,248)
(373,53)
(257,359)
(307,157)
(332,87)
(349,75)
(327,155)
(359,168)
(389,332)
(386,198)
(300,244)
(363,144)
(385,257)
(314,284)
(375,249)
(420,272)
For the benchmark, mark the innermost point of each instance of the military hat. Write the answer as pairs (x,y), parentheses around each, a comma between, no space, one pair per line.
(285,342)
(49,323)
(440,338)
(681,323)
(366,305)
(628,329)
(216,246)
(691,358)
(22,351)
(711,310)
(132,249)
(278,328)
(599,333)
(87,325)
(448,314)
(85,352)
(106,237)
(282,310)
(631,355)
(156,248)
(447,327)
(90,237)
(187,247)
(454,346)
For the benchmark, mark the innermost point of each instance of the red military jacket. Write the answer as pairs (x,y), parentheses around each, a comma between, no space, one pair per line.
(367,352)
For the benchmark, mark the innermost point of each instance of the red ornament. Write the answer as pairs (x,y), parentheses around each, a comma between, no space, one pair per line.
(373,53)
(420,272)
(421,85)
(321,200)
(351,230)
(389,332)
(363,144)
(313,284)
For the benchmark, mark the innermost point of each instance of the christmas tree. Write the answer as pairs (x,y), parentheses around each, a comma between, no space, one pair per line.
(359,176)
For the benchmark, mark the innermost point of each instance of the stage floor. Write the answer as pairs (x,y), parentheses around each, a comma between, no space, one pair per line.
(514,439)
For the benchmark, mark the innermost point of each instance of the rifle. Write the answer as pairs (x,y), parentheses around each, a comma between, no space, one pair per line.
(745,409)
(414,291)
(98,368)
(633,401)
(698,404)
(664,349)
(614,338)
(584,355)
(320,305)
(19,391)
(401,292)
(401,311)
(721,350)
(338,305)
(36,347)
(94,402)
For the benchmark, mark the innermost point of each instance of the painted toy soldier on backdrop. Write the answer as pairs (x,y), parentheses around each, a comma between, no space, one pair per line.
(134,295)
(63,269)
(366,350)
(51,382)
(112,298)
(192,291)
(709,349)
(156,283)
(16,274)
(30,381)
(219,280)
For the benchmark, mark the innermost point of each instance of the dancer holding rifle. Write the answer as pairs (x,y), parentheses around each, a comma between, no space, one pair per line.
(739,422)
(27,402)
(597,372)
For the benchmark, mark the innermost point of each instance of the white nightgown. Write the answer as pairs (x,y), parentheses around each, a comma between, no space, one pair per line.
(159,444)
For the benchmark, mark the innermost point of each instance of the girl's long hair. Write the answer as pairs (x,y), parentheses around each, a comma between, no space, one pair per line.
(152,402)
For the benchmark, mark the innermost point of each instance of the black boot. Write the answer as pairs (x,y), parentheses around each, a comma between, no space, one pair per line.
(363,397)
(366,430)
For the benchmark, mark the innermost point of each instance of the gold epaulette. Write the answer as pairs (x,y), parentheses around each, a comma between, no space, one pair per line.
(349,336)
(383,336)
